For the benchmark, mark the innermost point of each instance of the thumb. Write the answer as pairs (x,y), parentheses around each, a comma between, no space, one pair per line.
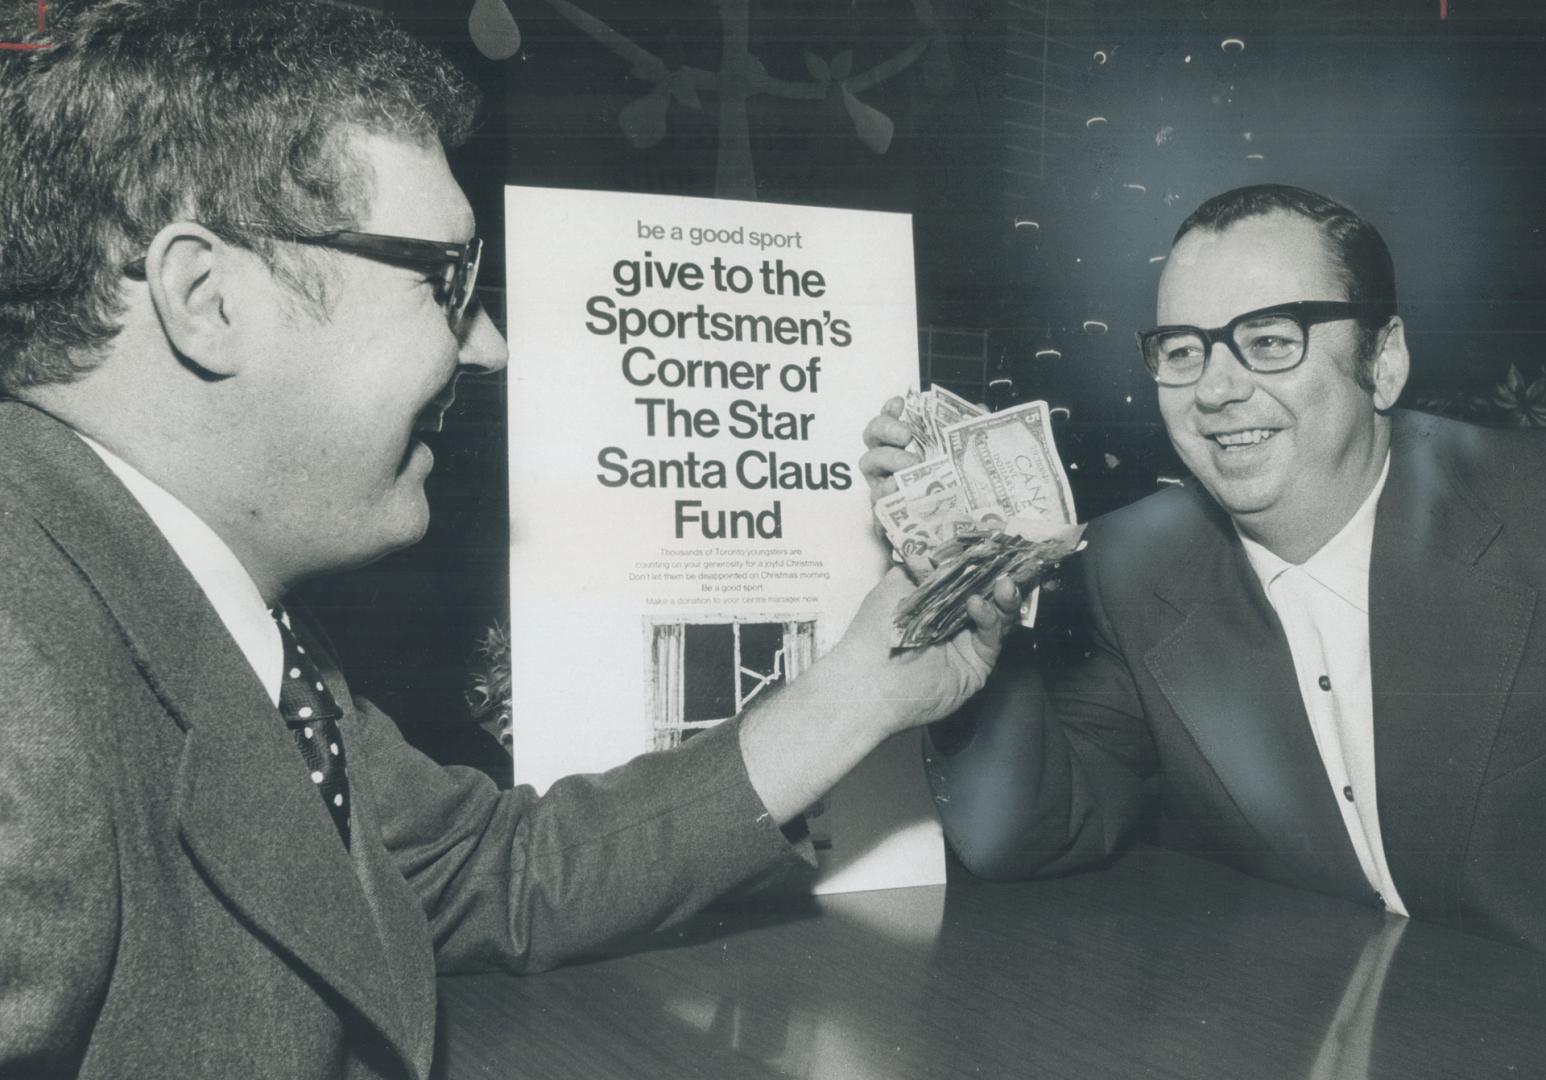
(992,616)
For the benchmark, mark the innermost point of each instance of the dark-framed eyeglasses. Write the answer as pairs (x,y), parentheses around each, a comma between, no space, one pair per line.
(1267,340)
(452,267)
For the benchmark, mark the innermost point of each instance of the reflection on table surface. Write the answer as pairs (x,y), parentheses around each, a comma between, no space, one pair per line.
(1161,966)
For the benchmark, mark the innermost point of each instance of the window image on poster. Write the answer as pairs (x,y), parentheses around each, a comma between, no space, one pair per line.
(689,383)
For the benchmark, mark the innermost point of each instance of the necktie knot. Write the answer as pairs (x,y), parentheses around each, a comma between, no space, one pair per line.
(303,695)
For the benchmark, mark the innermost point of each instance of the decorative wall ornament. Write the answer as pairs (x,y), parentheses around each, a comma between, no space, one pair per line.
(494,30)
(741,76)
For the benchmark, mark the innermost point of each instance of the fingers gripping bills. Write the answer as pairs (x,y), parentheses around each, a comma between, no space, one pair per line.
(990,499)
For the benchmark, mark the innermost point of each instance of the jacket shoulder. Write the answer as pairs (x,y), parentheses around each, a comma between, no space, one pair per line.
(1504,469)
(1140,542)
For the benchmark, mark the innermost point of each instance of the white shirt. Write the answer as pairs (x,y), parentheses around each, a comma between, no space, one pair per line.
(230,589)
(1323,604)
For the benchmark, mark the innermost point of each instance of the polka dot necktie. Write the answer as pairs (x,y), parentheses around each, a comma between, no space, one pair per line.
(311,714)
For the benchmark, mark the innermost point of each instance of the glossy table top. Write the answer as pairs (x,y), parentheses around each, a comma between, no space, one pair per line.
(1161,966)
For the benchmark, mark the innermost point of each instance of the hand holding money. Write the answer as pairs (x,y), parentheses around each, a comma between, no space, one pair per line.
(980,496)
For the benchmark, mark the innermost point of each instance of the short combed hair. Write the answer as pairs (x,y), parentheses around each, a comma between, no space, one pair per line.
(145,112)
(1364,264)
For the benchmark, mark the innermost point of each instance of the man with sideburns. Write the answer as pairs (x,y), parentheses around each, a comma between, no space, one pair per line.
(236,288)
(1322,659)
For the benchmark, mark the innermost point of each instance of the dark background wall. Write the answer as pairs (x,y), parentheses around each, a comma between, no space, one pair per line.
(1047,150)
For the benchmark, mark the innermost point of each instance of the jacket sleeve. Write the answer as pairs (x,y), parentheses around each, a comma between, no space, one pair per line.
(1045,771)
(522,881)
(58,865)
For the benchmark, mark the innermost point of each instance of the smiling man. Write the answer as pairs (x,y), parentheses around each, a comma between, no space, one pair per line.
(1291,457)
(236,288)
(1323,659)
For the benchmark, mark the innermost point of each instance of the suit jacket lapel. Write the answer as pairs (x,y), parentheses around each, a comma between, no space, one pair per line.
(1445,642)
(1227,672)
(398,914)
(248,814)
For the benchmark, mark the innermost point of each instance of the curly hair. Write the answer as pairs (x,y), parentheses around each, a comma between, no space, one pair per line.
(145,112)
(1363,260)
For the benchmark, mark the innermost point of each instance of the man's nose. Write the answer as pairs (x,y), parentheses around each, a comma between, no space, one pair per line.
(1224,379)
(482,346)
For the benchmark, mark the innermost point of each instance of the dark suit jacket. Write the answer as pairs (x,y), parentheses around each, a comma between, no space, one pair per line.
(1182,711)
(174,901)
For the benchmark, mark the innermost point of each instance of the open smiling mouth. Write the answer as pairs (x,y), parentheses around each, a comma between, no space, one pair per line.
(422,437)
(1243,440)
(430,421)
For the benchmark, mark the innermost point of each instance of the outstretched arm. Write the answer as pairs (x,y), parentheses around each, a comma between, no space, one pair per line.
(529,881)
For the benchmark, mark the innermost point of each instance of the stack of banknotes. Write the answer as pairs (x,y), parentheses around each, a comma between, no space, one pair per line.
(989,499)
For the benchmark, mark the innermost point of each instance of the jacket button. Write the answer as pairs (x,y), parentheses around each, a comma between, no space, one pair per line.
(1325,683)
(1347,793)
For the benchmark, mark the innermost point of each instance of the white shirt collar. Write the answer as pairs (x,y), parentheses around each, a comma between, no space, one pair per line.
(1342,563)
(230,589)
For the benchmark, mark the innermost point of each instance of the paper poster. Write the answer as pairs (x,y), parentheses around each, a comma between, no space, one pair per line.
(689,381)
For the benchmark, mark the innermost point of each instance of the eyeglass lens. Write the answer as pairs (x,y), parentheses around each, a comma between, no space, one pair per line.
(461,277)
(1267,343)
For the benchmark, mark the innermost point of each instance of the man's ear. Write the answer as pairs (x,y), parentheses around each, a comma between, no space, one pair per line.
(1392,365)
(189,272)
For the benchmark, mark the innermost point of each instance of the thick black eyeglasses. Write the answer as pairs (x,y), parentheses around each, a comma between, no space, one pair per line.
(1267,340)
(452,267)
